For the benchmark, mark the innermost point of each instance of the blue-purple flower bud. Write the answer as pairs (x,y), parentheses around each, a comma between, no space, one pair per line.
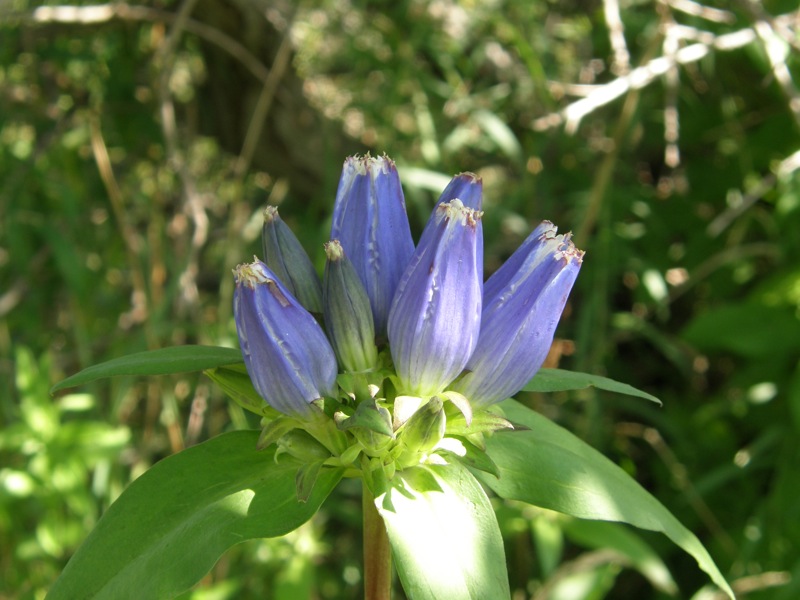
(436,314)
(501,278)
(468,188)
(521,311)
(287,355)
(285,257)
(348,316)
(370,221)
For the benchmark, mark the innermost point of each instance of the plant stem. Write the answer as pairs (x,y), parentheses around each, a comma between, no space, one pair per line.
(377,552)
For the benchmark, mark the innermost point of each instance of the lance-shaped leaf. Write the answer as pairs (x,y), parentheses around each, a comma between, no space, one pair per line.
(164,361)
(170,526)
(444,535)
(436,314)
(547,466)
(559,380)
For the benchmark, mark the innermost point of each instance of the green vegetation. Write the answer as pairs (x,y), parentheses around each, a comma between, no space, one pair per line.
(139,145)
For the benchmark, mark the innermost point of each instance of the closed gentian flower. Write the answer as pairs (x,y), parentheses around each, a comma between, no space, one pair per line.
(520,316)
(348,316)
(508,270)
(289,359)
(370,221)
(436,314)
(285,257)
(468,188)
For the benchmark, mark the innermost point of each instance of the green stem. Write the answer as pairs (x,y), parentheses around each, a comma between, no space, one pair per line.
(377,552)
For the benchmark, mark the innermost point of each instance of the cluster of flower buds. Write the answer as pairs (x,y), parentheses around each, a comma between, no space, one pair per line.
(394,334)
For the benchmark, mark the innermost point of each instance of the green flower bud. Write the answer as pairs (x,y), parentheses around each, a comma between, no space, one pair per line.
(301,445)
(347,312)
(426,427)
(285,257)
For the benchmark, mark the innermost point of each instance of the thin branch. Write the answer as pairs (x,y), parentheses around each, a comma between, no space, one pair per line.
(696,9)
(786,167)
(193,202)
(719,260)
(616,33)
(640,77)
(130,237)
(102,13)
(776,48)
(261,110)
(672,154)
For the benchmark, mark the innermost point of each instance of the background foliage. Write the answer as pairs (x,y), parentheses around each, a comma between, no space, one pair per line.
(139,143)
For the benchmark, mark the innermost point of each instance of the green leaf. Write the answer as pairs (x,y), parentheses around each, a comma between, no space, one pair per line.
(500,133)
(170,526)
(444,535)
(559,380)
(604,535)
(547,466)
(235,382)
(177,359)
(747,329)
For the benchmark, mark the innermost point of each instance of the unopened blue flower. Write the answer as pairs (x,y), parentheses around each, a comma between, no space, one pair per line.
(466,187)
(436,314)
(287,355)
(523,302)
(509,269)
(370,221)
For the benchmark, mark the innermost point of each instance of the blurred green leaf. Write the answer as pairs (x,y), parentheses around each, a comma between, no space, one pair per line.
(500,133)
(614,536)
(164,361)
(559,380)
(748,329)
(171,525)
(547,466)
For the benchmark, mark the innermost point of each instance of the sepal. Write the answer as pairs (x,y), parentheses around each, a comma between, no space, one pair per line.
(425,428)
(371,424)
(469,455)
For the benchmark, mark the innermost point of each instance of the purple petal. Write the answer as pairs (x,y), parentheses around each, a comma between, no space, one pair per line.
(435,318)
(509,269)
(287,355)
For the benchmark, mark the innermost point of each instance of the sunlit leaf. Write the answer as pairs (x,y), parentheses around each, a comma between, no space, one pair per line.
(170,526)
(444,535)
(175,359)
(547,466)
(559,380)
